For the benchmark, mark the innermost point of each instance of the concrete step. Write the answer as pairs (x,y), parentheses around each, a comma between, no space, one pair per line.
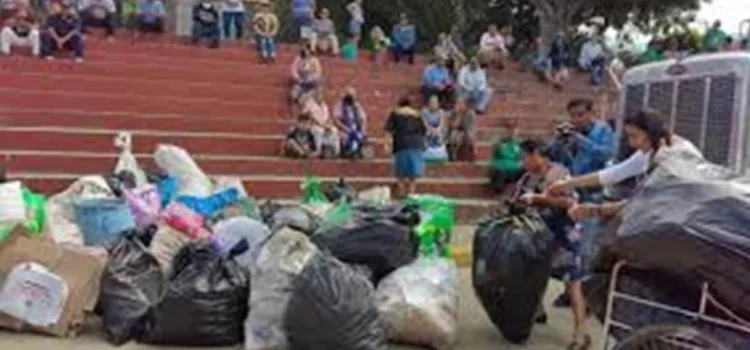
(490,126)
(86,140)
(97,162)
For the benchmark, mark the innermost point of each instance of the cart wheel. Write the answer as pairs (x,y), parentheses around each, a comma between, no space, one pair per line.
(670,338)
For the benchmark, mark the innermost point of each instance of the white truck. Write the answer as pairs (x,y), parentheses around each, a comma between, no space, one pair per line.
(705,98)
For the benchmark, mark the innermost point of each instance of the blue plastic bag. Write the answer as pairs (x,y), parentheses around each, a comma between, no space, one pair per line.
(211,205)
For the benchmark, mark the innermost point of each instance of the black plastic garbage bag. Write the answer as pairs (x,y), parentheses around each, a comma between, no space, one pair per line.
(699,213)
(333,307)
(381,245)
(131,284)
(205,303)
(511,267)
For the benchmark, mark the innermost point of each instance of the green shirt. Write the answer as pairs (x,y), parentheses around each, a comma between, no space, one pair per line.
(349,51)
(506,155)
(651,55)
(714,39)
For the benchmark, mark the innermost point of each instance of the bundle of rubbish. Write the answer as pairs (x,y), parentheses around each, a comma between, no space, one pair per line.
(180,259)
(706,242)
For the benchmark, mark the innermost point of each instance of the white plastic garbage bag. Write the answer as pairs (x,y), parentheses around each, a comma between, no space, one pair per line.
(60,216)
(377,195)
(230,232)
(12,206)
(34,295)
(279,263)
(419,303)
(176,162)
(126,161)
(222,183)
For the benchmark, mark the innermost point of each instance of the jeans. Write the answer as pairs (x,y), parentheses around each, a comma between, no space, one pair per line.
(596,67)
(399,51)
(266,46)
(210,32)
(298,23)
(108,22)
(477,99)
(75,44)
(236,20)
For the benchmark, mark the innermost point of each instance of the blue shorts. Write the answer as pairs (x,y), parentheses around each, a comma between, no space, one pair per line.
(409,163)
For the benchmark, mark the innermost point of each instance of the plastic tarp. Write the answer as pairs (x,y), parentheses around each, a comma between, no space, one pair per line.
(699,212)
(205,302)
(382,245)
(419,303)
(132,283)
(279,264)
(333,307)
(512,263)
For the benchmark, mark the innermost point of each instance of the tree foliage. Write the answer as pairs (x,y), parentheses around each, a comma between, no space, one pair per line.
(527,18)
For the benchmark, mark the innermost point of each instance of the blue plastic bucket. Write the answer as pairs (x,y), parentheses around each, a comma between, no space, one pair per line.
(103,220)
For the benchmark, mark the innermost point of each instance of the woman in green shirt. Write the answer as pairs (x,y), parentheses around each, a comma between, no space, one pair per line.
(506,165)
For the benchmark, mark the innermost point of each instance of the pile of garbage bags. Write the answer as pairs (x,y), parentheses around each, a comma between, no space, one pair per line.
(706,239)
(176,258)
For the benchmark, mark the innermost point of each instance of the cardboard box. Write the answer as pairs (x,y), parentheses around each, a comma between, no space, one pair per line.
(82,273)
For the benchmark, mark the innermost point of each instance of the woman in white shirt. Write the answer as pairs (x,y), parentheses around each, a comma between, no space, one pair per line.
(492,47)
(653,142)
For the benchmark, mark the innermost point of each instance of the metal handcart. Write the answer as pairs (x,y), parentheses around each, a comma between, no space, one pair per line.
(670,336)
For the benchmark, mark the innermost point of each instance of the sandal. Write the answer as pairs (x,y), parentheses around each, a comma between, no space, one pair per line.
(583,344)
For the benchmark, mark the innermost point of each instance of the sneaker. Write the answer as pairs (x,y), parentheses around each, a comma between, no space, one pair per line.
(78,60)
(49,58)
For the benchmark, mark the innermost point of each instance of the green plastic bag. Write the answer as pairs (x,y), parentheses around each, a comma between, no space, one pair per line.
(312,192)
(438,220)
(36,209)
(339,215)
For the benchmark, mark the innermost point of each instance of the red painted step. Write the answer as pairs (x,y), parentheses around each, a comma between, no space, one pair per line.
(283,188)
(101,140)
(261,127)
(60,162)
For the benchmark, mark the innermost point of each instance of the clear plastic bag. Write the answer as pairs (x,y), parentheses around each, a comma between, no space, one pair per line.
(419,303)
(279,264)
(177,163)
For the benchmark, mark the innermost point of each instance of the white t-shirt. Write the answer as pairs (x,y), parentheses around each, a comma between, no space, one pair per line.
(233,6)
(638,163)
(492,42)
(356,11)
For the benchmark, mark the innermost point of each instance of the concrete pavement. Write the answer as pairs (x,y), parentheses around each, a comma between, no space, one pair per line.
(475,333)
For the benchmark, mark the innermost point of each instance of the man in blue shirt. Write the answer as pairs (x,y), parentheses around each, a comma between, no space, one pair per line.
(206,24)
(149,17)
(404,39)
(303,12)
(437,81)
(63,33)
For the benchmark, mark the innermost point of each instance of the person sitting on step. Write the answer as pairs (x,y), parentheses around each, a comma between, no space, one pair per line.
(266,27)
(99,14)
(437,81)
(149,18)
(473,86)
(206,24)
(20,30)
(63,32)
(324,37)
(306,73)
(300,141)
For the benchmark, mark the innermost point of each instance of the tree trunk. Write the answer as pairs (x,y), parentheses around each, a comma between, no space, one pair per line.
(555,16)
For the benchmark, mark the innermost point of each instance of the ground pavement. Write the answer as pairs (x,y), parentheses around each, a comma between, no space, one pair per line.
(476,331)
